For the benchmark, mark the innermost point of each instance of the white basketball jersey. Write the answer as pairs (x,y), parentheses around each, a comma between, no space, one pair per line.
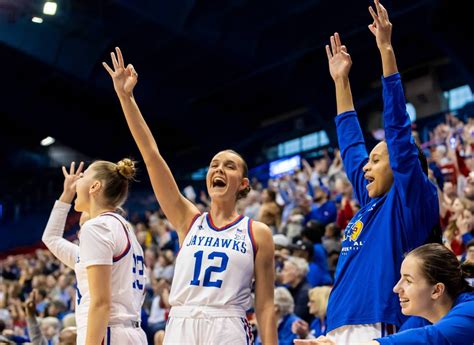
(215,266)
(109,240)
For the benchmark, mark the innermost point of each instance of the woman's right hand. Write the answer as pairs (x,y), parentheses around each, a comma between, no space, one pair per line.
(124,78)
(339,60)
(70,180)
(301,328)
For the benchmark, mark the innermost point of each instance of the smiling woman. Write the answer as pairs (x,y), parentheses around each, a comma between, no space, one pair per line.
(393,218)
(221,251)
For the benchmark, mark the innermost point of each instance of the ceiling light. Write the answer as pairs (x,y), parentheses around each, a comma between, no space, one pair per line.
(50,8)
(47,141)
(37,20)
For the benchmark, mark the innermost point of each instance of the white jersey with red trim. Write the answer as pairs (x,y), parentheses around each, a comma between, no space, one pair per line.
(109,240)
(215,266)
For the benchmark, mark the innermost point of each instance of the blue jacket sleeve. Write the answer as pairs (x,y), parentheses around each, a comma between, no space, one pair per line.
(415,192)
(353,152)
(407,171)
(427,335)
(456,328)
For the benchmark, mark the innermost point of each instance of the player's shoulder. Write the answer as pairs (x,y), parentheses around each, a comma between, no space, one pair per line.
(261,231)
(107,222)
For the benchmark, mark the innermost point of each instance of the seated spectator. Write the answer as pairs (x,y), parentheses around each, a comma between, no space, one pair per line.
(318,304)
(284,307)
(68,336)
(293,276)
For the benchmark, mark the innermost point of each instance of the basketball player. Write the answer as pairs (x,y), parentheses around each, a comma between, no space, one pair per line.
(221,251)
(399,205)
(108,262)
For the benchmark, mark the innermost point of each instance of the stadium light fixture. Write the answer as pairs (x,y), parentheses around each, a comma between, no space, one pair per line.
(47,141)
(50,8)
(37,20)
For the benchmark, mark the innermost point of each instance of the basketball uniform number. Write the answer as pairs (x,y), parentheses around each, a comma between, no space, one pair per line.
(138,271)
(207,282)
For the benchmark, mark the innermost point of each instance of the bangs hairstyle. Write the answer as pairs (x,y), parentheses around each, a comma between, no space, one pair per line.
(245,174)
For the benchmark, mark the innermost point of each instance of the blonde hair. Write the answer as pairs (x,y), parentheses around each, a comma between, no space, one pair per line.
(116,177)
(320,296)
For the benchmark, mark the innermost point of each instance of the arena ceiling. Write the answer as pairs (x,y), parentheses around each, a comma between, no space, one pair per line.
(212,74)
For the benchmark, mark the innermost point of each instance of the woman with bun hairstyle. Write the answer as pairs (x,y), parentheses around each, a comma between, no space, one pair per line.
(433,286)
(108,261)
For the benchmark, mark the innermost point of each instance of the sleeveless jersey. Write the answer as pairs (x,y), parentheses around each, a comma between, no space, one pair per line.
(215,266)
(109,240)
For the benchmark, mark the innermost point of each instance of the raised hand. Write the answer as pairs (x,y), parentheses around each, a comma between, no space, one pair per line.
(124,78)
(339,60)
(70,180)
(381,27)
(30,304)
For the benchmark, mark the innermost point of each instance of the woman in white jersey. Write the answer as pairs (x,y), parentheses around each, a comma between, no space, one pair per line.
(108,262)
(221,251)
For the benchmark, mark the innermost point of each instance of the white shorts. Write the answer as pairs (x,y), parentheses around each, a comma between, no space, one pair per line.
(118,335)
(201,326)
(357,334)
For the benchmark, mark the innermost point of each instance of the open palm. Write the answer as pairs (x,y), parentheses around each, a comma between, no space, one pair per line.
(339,60)
(124,78)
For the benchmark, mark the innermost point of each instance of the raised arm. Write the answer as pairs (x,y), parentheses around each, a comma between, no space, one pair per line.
(176,207)
(61,248)
(349,134)
(403,153)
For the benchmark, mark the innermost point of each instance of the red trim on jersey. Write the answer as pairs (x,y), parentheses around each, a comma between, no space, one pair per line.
(196,216)
(225,227)
(252,238)
(129,245)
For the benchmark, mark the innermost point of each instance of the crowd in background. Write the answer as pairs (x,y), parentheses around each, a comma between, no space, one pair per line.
(307,212)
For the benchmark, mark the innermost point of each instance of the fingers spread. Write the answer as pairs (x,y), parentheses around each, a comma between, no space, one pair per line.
(120,57)
(333,45)
(328,52)
(374,15)
(111,72)
(114,61)
(64,171)
(79,169)
(71,170)
(338,41)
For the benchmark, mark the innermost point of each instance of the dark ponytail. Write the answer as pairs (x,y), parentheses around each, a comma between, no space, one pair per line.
(440,265)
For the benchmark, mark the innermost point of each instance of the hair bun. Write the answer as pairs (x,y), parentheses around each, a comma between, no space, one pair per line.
(126,168)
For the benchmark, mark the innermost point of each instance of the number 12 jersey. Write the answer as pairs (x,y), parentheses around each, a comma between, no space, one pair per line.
(215,266)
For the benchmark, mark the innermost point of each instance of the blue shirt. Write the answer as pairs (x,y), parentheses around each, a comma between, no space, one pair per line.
(455,328)
(324,214)
(318,274)
(385,227)
(285,335)
(317,328)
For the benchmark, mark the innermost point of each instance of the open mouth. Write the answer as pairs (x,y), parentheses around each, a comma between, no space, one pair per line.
(370,179)
(403,302)
(218,182)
